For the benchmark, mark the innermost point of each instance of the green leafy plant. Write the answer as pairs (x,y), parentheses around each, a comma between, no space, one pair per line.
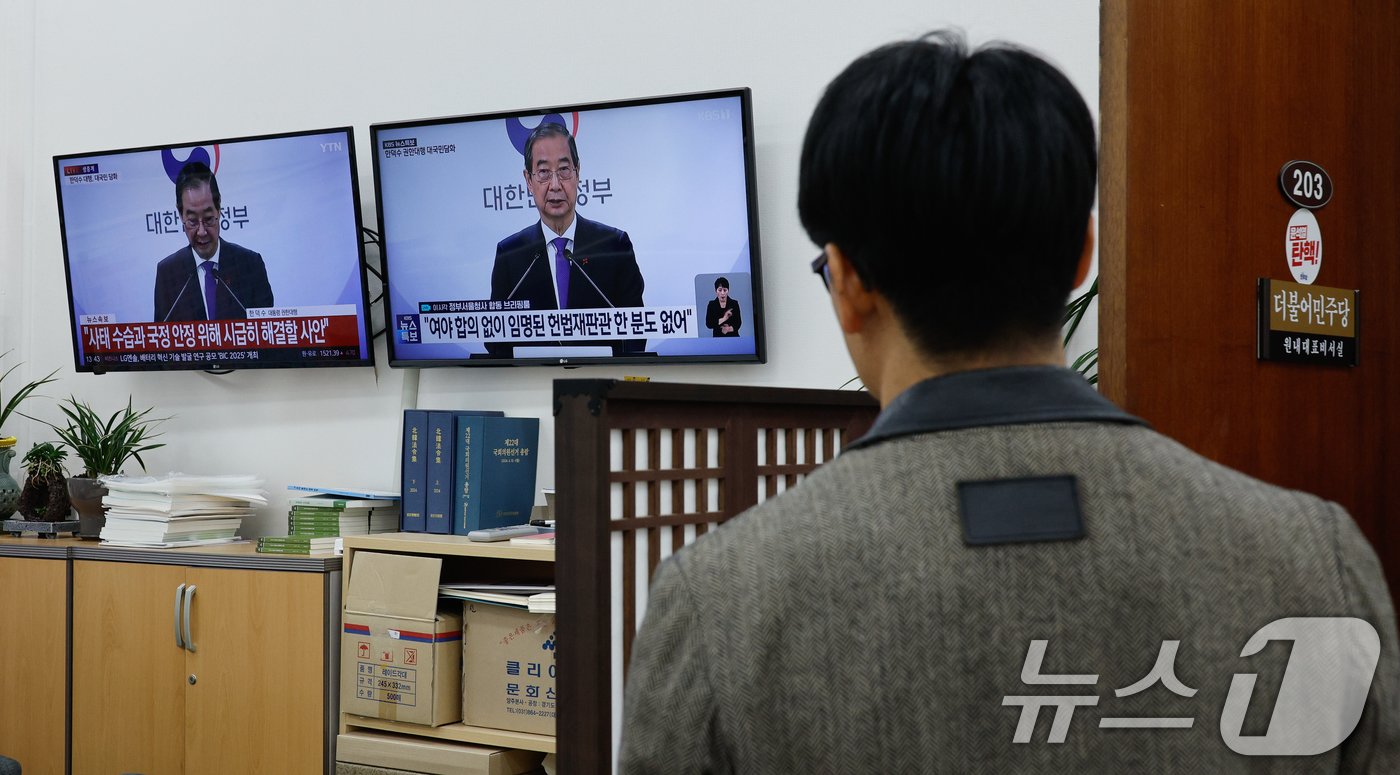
(45,459)
(104,446)
(1087,363)
(9,407)
(45,497)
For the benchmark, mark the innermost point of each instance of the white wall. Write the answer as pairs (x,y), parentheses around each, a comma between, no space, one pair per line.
(80,75)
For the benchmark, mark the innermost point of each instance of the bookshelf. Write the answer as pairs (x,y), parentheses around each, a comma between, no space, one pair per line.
(459,556)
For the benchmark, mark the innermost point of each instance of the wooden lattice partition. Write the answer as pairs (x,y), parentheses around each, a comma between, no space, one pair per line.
(643,468)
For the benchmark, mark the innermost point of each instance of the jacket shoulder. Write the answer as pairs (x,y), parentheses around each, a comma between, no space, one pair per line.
(234,250)
(521,239)
(590,232)
(174,259)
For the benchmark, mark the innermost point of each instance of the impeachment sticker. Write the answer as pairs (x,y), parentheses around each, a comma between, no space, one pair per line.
(1303,247)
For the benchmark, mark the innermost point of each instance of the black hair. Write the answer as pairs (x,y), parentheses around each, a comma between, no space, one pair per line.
(722,283)
(550,129)
(192,176)
(958,184)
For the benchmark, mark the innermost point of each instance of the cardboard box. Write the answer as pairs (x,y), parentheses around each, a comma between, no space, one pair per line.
(400,657)
(508,669)
(399,752)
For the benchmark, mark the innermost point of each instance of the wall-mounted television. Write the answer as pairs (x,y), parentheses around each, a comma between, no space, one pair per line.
(615,232)
(218,254)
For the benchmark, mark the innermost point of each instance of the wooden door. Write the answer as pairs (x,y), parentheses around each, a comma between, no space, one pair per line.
(128,692)
(33,688)
(1203,102)
(257,703)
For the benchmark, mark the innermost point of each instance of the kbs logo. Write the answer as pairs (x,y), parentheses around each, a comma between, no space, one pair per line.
(519,133)
(208,154)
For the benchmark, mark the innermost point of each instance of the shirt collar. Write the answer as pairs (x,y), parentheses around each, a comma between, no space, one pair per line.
(550,236)
(1006,396)
(218,248)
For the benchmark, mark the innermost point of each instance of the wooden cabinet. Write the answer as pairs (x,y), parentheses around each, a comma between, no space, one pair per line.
(182,668)
(33,638)
(461,558)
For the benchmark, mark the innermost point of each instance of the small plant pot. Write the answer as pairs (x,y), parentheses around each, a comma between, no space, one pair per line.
(86,496)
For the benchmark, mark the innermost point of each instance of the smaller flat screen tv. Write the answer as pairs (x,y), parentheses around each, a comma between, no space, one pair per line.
(629,234)
(257,262)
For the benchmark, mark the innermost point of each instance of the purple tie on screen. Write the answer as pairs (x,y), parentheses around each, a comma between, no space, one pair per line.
(561,271)
(211,281)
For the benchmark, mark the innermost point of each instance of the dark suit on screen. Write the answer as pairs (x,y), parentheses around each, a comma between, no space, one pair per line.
(604,255)
(179,293)
(714,312)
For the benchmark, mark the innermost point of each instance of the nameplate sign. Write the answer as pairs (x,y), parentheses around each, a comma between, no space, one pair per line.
(1307,323)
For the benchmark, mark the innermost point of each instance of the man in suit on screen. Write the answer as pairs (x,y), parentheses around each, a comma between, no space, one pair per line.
(211,278)
(1007,573)
(564,261)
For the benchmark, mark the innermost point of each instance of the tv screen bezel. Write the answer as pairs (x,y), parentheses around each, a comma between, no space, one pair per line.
(366,325)
(745,96)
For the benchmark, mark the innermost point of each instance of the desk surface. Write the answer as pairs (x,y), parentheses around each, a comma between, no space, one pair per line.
(243,554)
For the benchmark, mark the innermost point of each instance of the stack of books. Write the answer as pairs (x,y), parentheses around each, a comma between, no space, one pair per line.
(467,470)
(315,522)
(177,510)
(299,545)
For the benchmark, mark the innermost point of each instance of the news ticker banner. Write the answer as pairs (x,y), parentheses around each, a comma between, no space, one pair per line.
(318,332)
(498,321)
(1307,323)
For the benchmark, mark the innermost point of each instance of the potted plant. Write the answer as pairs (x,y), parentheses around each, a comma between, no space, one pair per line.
(103,446)
(45,495)
(9,488)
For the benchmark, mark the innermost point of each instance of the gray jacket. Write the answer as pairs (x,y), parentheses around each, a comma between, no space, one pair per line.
(847,625)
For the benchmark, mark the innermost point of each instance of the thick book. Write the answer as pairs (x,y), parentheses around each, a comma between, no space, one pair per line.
(438,480)
(415,468)
(495,471)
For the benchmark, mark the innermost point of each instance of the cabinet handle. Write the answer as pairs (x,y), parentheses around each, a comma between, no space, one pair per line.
(189,598)
(179,593)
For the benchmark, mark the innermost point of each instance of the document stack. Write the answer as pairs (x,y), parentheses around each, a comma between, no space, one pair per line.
(534,598)
(178,509)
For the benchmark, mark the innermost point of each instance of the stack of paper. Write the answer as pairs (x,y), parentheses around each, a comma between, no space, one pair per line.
(177,510)
(535,598)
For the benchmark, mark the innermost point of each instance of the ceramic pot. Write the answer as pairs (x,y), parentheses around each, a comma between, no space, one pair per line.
(86,496)
(9,488)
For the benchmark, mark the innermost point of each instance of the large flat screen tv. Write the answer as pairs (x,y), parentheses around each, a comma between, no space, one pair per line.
(239,253)
(617,232)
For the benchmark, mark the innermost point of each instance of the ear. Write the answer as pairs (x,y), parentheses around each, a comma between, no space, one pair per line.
(1086,258)
(854,302)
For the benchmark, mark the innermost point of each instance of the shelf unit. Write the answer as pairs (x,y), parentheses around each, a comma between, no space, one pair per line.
(540,561)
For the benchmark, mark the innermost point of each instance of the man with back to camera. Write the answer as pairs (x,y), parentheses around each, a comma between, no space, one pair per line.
(564,261)
(211,278)
(1003,535)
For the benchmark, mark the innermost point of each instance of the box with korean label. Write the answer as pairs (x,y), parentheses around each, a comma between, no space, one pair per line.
(400,657)
(508,669)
